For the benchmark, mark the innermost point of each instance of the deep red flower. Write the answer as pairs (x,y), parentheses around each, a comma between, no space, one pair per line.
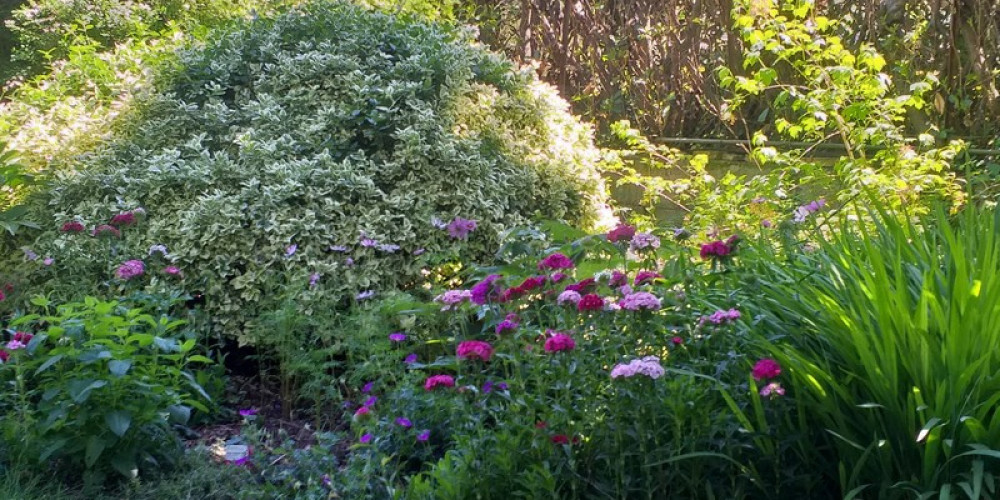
(715,249)
(590,302)
(123,219)
(583,286)
(72,227)
(4,356)
(623,232)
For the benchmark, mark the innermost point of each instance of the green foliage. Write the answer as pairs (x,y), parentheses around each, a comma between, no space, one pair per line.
(13,181)
(97,388)
(51,30)
(891,338)
(818,91)
(324,127)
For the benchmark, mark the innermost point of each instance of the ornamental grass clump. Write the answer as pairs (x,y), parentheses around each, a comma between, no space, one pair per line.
(890,337)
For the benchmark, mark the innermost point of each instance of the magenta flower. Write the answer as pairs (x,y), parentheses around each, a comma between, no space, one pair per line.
(556,261)
(618,279)
(721,316)
(404,422)
(460,228)
(436,381)
(677,340)
(424,436)
(72,227)
(474,349)
(248,412)
(765,369)
(370,401)
(559,342)
(362,412)
(583,286)
(397,337)
(172,271)
(410,358)
(366,438)
(367,387)
(715,249)
(130,269)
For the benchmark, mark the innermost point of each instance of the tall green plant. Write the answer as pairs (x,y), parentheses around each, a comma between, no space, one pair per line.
(892,336)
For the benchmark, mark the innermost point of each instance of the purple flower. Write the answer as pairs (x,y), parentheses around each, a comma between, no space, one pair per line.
(556,261)
(290,250)
(370,402)
(507,325)
(365,295)
(410,358)
(130,269)
(388,248)
(338,248)
(460,228)
(397,337)
(404,422)
(349,262)
(49,261)
(766,224)
(367,387)
(772,389)
(484,290)
(418,251)
(28,254)
(642,241)
(366,438)
(313,280)
(424,436)
(368,242)
(248,412)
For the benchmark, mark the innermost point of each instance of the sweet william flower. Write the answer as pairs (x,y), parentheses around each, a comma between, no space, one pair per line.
(771,390)
(460,228)
(72,227)
(590,302)
(559,342)
(485,290)
(4,356)
(765,369)
(569,297)
(622,232)
(404,422)
(107,231)
(474,349)
(123,219)
(436,381)
(555,261)
(397,337)
(130,269)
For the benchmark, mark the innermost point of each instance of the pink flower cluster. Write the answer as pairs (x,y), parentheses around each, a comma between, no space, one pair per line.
(568,297)
(474,349)
(130,269)
(804,211)
(721,316)
(648,366)
(72,227)
(529,284)
(452,298)
(559,342)
(460,228)
(556,261)
(642,241)
(436,381)
(640,300)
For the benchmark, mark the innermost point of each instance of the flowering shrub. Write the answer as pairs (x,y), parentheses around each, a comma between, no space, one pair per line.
(371,155)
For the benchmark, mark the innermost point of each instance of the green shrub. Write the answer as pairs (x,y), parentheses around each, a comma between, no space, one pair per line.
(97,387)
(891,337)
(325,127)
